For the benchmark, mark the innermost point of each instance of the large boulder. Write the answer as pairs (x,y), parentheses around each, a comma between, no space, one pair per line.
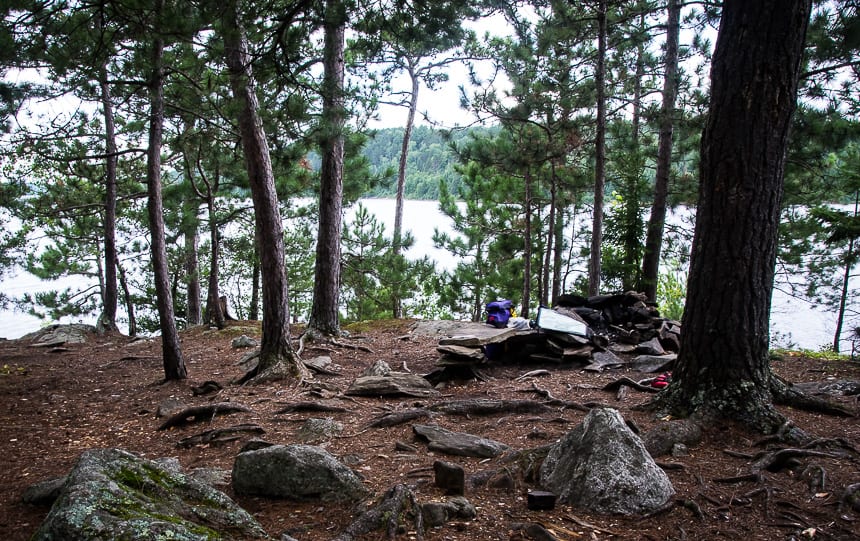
(112,494)
(297,472)
(602,466)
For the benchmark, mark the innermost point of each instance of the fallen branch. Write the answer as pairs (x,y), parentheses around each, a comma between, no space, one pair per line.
(533,374)
(199,414)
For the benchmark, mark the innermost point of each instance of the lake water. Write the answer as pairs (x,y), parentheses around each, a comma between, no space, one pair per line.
(807,327)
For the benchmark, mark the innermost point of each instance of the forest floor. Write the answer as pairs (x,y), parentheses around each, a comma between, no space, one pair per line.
(57,402)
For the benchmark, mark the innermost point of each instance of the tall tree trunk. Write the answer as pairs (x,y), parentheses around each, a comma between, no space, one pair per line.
(107,319)
(850,259)
(214,311)
(657,220)
(632,204)
(401,179)
(174,365)
(192,278)
(723,364)
(558,229)
(599,154)
(277,358)
(324,317)
(129,303)
(550,237)
(254,309)
(527,247)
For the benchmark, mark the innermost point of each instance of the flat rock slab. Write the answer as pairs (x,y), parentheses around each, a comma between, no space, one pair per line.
(652,363)
(466,333)
(601,360)
(458,443)
(472,353)
(393,384)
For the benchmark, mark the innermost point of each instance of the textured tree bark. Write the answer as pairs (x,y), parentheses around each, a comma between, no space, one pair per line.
(657,220)
(599,155)
(110,295)
(324,317)
(401,178)
(192,279)
(214,312)
(277,358)
(723,366)
(174,365)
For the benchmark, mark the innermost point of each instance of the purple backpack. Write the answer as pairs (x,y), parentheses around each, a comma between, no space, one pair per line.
(498,313)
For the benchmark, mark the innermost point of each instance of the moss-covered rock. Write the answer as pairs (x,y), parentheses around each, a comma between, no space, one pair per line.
(113,495)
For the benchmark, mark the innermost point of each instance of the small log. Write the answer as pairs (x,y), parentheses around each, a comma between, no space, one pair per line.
(199,414)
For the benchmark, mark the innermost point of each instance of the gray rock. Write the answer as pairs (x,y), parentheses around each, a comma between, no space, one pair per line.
(169,406)
(318,430)
(379,368)
(652,363)
(298,472)
(449,477)
(651,347)
(112,494)
(320,362)
(601,360)
(438,513)
(602,466)
(661,439)
(59,334)
(213,477)
(244,342)
(458,443)
(44,492)
(394,384)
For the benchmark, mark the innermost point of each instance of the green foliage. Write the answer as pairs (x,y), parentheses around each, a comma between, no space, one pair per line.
(671,292)
(374,277)
(430,160)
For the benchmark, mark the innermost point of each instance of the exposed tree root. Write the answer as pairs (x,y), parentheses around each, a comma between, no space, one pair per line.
(280,371)
(199,414)
(627,382)
(220,435)
(311,406)
(786,395)
(397,504)
(553,401)
(317,337)
(400,417)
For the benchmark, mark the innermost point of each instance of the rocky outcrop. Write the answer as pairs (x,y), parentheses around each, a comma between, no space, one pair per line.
(602,466)
(298,472)
(112,494)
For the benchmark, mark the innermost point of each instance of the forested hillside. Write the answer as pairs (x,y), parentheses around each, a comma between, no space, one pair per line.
(431,159)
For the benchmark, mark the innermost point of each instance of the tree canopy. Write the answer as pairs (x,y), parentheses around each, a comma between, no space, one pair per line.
(565,114)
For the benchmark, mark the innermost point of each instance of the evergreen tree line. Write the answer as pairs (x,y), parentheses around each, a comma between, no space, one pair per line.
(189,131)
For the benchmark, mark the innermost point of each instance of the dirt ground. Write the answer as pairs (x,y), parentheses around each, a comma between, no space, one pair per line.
(57,402)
